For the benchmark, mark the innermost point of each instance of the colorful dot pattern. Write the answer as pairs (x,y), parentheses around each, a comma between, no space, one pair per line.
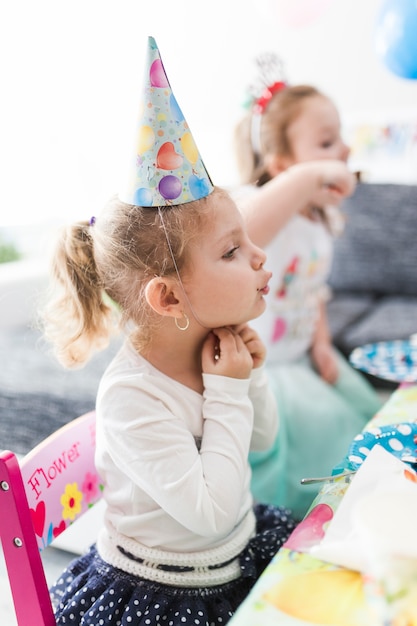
(389,360)
(398,439)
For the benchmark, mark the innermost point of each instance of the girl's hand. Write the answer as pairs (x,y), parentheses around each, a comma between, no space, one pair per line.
(253,343)
(226,354)
(324,360)
(336,182)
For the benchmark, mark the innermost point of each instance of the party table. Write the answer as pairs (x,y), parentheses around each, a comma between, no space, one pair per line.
(298,589)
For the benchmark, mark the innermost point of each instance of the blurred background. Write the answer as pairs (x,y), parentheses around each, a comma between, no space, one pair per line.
(71,75)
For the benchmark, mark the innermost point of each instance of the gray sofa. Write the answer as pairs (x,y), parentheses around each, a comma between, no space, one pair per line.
(37,395)
(374,273)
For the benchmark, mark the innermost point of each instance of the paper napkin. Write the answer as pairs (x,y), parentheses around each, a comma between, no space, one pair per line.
(391,520)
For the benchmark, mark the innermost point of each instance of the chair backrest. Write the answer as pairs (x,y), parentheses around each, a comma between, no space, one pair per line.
(40,497)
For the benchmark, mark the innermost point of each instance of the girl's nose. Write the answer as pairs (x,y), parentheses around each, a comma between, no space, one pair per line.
(259,258)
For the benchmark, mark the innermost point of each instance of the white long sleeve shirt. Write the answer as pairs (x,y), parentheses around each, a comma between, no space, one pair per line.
(174,462)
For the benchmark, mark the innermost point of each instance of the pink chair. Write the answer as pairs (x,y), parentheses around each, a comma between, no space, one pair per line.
(40,497)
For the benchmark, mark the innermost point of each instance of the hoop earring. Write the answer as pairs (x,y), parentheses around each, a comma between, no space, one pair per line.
(187,322)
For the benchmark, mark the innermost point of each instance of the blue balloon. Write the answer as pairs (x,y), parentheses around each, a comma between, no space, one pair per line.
(143,197)
(396,37)
(176,112)
(199,187)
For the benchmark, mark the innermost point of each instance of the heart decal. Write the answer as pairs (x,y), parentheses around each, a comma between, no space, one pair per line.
(38,518)
(279,329)
(167,158)
(59,529)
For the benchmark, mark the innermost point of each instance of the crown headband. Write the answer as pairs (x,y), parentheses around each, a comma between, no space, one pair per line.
(269,80)
(261,103)
(258,109)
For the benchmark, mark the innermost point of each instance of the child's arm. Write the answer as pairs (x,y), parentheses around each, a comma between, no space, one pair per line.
(151,430)
(266,418)
(317,183)
(265,423)
(322,353)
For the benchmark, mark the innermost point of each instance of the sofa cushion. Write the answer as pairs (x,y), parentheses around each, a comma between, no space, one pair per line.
(37,395)
(391,317)
(26,418)
(377,252)
(344,309)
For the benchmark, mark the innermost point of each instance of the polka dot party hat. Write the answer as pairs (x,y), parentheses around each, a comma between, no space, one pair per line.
(166,167)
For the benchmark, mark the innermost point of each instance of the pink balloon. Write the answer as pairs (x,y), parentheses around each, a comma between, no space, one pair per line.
(299,13)
(157,74)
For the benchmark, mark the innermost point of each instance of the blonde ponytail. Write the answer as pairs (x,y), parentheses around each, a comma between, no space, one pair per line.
(77,319)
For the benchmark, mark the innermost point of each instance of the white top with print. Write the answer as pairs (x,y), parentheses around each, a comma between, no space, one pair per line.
(300,258)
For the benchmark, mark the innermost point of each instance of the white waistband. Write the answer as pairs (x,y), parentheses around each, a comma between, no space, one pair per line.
(211,567)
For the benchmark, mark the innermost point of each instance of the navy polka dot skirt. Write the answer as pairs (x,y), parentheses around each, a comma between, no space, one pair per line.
(90,592)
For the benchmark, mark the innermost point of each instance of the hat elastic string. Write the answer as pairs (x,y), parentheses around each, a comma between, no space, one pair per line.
(177,270)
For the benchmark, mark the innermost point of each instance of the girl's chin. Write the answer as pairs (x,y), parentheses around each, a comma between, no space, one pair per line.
(256,312)
(260,309)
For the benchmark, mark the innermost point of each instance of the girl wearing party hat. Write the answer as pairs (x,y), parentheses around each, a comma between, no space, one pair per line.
(184,400)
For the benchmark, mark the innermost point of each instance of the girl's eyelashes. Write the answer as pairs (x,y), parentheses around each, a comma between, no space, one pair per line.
(230,254)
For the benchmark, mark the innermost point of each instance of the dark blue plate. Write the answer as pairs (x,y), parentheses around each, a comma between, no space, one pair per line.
(399,439)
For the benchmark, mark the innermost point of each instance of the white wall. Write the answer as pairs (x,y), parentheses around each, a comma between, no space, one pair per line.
(71,72)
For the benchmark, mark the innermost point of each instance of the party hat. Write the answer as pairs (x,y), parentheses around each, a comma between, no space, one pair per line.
(166,168)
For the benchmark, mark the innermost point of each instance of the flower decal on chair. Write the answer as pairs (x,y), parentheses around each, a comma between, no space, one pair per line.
(90,488)
(51,517)
(71,501)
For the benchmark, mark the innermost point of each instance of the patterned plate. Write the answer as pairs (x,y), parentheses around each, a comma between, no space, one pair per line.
(399,439)
(390,360)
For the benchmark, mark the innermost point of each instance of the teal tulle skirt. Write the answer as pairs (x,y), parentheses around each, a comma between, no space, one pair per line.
(317,424)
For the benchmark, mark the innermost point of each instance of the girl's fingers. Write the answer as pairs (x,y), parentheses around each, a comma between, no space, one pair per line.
(233,358)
